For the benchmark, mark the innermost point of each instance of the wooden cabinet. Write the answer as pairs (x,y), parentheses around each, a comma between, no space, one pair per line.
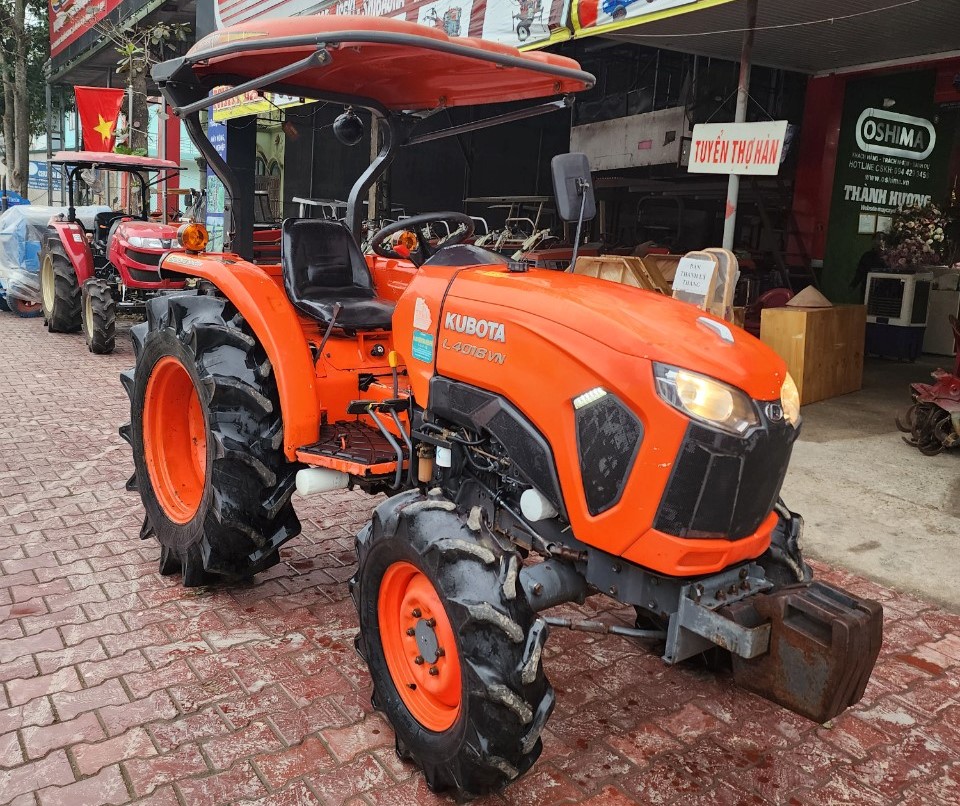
(823,347)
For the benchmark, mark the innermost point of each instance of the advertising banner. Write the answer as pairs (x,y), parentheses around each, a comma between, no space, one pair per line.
(893,152)
(252,103)
(216,196)
(520,23)
(37,179)
(70,19)
(603,16)
(750,149)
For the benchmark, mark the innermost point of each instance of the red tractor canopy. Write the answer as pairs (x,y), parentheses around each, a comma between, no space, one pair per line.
(112,162)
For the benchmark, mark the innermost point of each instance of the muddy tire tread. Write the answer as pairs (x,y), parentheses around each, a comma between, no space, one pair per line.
(103,339)
(249,513)
(507,698)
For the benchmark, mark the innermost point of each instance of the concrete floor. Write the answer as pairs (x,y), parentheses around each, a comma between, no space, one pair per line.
(872,504)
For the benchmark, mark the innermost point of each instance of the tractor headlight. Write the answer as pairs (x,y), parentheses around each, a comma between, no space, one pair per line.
(706,399)
(790,400)
(145,243)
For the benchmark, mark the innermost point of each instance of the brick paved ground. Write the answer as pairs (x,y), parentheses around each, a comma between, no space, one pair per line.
(118,686)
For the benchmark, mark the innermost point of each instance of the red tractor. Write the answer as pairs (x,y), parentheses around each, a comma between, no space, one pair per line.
(544,436)
(87,277)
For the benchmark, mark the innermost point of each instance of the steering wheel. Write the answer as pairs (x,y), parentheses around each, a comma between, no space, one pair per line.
(417,224)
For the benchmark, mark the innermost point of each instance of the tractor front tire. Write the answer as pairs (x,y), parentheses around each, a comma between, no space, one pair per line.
(59,289)
(207,438)
(99,316)
(453,647)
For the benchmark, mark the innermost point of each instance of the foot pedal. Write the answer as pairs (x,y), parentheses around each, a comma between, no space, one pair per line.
(824,643)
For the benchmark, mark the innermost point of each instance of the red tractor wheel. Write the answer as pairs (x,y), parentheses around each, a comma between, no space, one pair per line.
(59,289)
(453,647)
(24,309)
(207,441)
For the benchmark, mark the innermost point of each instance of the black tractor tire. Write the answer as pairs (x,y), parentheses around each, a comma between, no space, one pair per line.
(99,319)
(241,513)
(3,303)
(61,302)
(505,698)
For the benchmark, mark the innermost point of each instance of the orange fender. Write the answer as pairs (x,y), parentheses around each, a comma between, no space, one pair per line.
(274,320)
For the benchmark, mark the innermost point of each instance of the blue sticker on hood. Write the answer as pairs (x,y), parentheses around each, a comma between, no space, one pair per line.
(423,346)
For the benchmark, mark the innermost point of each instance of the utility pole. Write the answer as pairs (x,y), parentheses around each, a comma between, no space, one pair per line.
(48,95)
(743,98)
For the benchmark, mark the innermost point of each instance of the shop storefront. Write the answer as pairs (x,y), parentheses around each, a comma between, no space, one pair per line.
(878,141)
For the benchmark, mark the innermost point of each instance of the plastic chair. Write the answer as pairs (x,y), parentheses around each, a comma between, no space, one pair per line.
(774,298)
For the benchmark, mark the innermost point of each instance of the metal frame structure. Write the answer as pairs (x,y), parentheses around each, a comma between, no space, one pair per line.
(73,166)
(188,96)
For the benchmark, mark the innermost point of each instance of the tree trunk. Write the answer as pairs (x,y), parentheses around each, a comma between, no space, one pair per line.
(8,127)
(139,130)
(21,107)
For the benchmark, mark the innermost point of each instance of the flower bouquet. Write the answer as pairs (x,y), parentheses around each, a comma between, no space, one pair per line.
(916,238)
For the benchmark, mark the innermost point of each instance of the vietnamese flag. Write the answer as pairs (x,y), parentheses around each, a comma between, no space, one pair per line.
(98,108)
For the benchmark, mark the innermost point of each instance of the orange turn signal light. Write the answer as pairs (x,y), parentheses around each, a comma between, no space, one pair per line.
(193,237)
(407,239)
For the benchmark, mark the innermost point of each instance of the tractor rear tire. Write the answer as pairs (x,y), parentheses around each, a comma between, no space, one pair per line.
(3,303)
(453,647)
(99,316)
(59,289)
(207,438)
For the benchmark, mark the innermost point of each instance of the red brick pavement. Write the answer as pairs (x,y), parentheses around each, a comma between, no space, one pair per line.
(119,686)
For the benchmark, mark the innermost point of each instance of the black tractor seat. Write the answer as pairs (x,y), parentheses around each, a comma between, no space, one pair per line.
(322,265)
(104,223)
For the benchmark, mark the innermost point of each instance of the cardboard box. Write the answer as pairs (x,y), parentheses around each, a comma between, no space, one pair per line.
(823,347)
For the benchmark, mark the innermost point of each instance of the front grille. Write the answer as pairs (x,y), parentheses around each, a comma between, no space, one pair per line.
(141,276)
(146,258)
(723,485)
(608,438)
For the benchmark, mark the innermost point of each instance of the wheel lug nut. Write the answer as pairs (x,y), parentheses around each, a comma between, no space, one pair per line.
(433,671)
(418,660)
(441,652)
(411,631)
(431,622)
(416,612)
(412,686)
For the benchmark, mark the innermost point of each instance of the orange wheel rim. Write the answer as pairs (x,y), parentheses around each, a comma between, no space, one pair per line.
(174,439)
(419,646)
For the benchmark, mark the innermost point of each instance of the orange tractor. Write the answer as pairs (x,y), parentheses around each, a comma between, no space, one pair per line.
(543,436)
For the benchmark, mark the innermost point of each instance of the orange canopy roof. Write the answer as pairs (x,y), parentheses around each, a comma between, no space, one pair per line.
(398,64)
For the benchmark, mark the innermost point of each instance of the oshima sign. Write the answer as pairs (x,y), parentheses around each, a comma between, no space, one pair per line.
(894,135)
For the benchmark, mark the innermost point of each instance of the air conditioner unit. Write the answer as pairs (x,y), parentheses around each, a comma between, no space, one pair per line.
(898,299)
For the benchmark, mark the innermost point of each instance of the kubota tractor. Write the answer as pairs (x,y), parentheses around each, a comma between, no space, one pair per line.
(85,278)
(544,436)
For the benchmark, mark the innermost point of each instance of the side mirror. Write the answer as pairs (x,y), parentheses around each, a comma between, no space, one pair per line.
(573,187)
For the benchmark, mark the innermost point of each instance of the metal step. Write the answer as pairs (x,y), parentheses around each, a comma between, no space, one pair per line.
(352,447)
